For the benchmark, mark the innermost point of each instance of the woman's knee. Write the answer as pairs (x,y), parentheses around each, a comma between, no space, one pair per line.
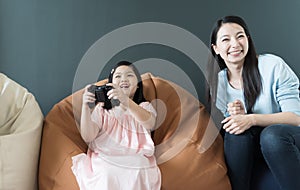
(274,137)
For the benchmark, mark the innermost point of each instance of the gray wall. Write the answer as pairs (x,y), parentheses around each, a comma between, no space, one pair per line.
(43,41)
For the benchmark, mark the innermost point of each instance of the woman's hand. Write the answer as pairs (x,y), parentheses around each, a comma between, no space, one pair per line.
(236,107)
(237,124)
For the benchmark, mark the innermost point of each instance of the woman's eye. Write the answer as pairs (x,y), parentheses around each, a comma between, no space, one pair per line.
(117,76)
(225,39)
(240,36)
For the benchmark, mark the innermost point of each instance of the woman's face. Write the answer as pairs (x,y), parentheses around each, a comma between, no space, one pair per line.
(126,79)
(232,43)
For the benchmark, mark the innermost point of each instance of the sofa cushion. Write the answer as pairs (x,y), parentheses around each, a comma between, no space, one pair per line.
(21,122)
(189,150)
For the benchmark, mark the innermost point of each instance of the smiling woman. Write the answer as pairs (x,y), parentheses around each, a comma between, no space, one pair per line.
(232,46)
(259,97)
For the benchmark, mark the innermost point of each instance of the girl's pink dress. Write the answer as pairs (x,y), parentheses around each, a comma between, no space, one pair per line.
(121,157)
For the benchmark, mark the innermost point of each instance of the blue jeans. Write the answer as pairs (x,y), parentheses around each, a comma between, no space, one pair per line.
(278,145)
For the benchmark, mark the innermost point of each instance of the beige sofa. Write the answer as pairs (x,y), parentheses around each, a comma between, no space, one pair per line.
(21,122)
(189,150)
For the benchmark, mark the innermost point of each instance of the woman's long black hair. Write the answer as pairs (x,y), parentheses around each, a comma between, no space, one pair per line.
(139,95)
(252,84)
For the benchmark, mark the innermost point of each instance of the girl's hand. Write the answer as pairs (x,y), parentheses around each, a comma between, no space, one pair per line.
(237,124)
(88,97)
(235,108)
(117,93)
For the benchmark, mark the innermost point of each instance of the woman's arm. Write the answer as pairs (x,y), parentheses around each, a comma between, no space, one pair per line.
(88,129)
(275,118)
(287,97)
(237,124)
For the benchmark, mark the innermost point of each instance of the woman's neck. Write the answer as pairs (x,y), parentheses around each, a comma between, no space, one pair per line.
(234,76)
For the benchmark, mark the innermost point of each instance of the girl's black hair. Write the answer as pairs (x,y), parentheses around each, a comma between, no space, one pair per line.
(139,95)
(252,84)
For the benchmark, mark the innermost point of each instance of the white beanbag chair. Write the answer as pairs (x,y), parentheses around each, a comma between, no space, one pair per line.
(21,122)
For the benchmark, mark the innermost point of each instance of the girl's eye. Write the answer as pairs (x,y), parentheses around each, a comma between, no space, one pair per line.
(130,75)
(117,76)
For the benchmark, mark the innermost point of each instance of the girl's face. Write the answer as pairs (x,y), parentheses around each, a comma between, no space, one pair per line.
(232,43)
(126,79)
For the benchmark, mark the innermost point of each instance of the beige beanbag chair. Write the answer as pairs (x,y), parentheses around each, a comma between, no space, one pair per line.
(21,122)
(189,150)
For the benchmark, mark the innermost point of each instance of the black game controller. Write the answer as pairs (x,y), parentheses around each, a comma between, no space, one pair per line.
(101,96)
(101,93)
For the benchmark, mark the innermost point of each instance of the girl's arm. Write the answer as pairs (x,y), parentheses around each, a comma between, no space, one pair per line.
(88,129)
(145,117)
(142,115)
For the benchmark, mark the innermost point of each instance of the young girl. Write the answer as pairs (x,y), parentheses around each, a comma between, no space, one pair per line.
(121,151)
(259,96)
